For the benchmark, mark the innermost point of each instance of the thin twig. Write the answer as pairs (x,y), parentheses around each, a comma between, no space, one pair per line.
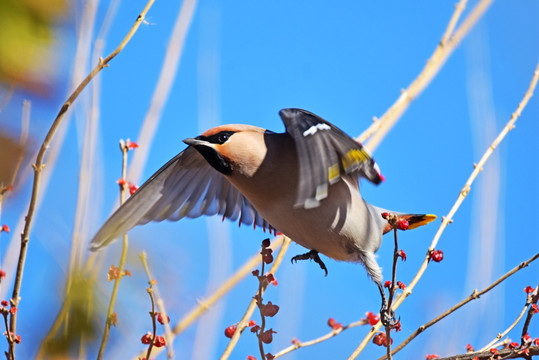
(301,344)
(503,354)
(251,308)
(123,256)
(205,304)
(152,313)
(258,298)
(534,299)
(39,164)
(475,295)
(445,48)
(160,306)
(506,331)
(462,195)
(392,290)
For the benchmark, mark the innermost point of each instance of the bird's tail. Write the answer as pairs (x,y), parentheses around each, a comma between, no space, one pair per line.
(414,220)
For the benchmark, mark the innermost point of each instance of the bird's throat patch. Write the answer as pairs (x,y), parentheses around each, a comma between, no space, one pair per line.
(215,159)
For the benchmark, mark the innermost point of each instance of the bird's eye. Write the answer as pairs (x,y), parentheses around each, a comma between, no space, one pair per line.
(222,138)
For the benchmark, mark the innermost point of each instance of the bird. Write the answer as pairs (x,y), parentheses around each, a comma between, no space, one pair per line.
(303,183)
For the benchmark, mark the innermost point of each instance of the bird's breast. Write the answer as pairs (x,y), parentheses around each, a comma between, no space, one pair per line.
(335,228)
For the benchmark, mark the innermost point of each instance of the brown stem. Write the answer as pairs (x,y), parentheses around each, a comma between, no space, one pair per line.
(250,309)
(504,354)
(154,325)
(531,311)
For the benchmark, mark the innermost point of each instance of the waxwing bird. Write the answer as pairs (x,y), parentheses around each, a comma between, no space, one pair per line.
(303,182)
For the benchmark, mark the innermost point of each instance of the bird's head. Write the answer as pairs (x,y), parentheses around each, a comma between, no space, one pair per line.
(232,148)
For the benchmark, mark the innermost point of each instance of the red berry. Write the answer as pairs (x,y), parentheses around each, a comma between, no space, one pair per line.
(159,341)
(494,351)
(5,303)
(331,322)
(252,323)
(470,348)
(146,338)
(162,320)
(401,285)
(251,357)
(229,331)
(528,289)
(372,318)
(132,188)
(402,224)
(271,279)
(433,356)
(131,144)
(387,284)
(535,309)
(437,255)
(2,274)
(402,254)
(385,215)
(5,228)
(378,339)
(514,345)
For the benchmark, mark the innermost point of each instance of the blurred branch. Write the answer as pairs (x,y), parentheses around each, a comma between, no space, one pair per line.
(450,40)
(86,187)
(251,308)
(475,295)
(205,304)
(23,138)
(8,94)
(163,87)
(39,164)
(462,195)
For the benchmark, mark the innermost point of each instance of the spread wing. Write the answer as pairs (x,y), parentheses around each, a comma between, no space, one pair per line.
(325,153)
(186,186)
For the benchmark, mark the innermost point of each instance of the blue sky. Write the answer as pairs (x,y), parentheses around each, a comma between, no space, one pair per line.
(241,63)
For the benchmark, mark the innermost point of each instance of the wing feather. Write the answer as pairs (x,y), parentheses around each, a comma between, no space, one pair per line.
(186,186)
(325,153)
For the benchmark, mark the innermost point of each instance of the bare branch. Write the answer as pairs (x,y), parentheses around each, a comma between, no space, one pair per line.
(462,195)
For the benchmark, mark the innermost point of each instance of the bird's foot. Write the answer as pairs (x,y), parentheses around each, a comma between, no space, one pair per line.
(387,317)
(311,255)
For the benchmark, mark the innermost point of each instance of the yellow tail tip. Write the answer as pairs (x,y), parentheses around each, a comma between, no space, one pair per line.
(420,220)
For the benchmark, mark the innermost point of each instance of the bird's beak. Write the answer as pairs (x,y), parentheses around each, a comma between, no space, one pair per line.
(194,141)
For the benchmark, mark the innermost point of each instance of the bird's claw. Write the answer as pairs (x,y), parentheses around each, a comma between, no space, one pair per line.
(311,255)
(387,317)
